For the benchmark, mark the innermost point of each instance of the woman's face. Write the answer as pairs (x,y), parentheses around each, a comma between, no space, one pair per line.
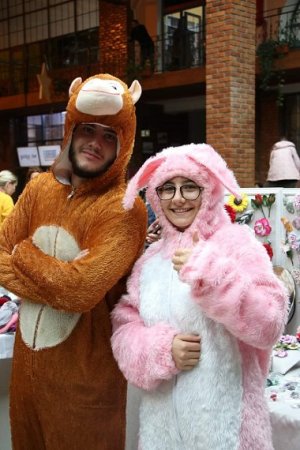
(10,187)
(180,211)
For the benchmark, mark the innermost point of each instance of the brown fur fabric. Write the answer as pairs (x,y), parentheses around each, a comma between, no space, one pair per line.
(67,392)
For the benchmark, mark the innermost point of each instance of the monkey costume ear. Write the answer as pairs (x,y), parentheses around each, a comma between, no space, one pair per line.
(74,85)
(135,91)
(140,180)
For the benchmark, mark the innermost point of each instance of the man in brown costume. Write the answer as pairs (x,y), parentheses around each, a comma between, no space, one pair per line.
(65,250)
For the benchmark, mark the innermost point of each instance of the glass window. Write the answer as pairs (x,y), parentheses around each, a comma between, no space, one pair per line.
(33,5)
(4,43)
(62,19)
(17,37)
(36,24)
(3,10)
(15,7)
(46,129)
(87,14)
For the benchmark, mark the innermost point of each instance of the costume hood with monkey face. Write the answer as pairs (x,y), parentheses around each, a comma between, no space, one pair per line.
(198,162)
(105,100)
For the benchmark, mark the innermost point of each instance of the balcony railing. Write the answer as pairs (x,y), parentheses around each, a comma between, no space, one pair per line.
(281,25)
(19,76)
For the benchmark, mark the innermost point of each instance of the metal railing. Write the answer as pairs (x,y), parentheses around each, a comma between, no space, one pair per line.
(281,25)
(17,77)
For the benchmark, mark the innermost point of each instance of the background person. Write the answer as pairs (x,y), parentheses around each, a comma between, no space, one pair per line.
(66,250)
(284,168)
(140,34)
(33,172)
(202,311)
(8,184)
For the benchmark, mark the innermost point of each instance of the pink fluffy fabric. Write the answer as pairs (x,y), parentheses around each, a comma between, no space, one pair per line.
(231,281)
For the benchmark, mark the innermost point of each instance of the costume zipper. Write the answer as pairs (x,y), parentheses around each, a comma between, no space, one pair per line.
(71,193)
(175,379)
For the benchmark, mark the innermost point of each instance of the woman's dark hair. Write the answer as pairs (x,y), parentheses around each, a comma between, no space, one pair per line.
(32,170)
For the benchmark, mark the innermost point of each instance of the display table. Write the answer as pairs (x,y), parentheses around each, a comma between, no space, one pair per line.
(6,351)
(285,410)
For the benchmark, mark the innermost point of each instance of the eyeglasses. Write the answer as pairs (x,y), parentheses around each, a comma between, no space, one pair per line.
(187,191)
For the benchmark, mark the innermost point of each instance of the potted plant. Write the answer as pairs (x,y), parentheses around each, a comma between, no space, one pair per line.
(268,52)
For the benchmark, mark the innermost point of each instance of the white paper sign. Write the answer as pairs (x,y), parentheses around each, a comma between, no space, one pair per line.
(28,156)
(48,153)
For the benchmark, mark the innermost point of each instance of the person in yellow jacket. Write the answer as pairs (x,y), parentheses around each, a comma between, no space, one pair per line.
(8,184)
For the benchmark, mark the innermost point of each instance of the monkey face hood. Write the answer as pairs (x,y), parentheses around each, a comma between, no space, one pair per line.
(107,101)
(198,162)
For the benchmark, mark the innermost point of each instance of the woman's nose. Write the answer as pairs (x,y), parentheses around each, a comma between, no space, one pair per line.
(178,197)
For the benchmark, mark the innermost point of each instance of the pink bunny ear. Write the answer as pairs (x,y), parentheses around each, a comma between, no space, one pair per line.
(216,165)
(140,180)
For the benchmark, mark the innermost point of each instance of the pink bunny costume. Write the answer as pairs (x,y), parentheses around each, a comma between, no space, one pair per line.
(227,293)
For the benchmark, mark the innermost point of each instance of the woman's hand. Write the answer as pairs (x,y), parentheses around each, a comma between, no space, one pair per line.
(182,255)
(186,351)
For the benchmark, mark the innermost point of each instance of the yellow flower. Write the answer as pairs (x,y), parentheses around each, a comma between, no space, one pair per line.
(287,225)
(238,205)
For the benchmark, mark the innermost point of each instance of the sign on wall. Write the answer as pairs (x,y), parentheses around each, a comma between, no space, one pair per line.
(48,153)
(28,156)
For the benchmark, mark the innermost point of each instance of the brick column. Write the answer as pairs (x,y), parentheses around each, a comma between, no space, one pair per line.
(113,38)
(230,84)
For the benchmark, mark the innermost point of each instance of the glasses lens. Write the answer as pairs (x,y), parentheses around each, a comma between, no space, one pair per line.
(190,191)
(166,192)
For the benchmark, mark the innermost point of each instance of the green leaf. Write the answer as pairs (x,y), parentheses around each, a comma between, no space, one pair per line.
(253,204)
(265,200)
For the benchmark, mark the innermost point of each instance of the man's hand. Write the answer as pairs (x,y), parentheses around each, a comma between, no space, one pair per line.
(153,232)
(186,351)
(81,254)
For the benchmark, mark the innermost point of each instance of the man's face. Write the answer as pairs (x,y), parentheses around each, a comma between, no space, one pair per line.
(93,149)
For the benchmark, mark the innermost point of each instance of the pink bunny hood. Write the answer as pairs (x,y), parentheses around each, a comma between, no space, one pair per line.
(198,162)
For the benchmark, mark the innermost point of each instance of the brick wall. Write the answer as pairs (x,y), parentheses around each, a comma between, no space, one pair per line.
(230,84)
(113,37)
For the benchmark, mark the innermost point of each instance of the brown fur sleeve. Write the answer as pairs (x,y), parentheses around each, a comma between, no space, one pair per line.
(79,285)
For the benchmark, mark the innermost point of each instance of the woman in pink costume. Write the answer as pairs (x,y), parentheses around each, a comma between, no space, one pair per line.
(202,311)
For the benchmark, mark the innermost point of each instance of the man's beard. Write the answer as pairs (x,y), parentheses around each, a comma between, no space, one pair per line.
(82,173)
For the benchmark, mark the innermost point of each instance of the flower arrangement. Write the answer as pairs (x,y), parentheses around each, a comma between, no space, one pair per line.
(238,205)
(260,201)
(231,212)
(268,248)
(262,227)
(286,342)
(288,242)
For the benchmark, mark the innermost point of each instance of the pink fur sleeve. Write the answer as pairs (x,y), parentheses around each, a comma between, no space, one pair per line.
(143,352)
(233,282)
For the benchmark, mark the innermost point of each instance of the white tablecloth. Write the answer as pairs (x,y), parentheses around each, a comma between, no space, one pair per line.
(6,345)
(285,412)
